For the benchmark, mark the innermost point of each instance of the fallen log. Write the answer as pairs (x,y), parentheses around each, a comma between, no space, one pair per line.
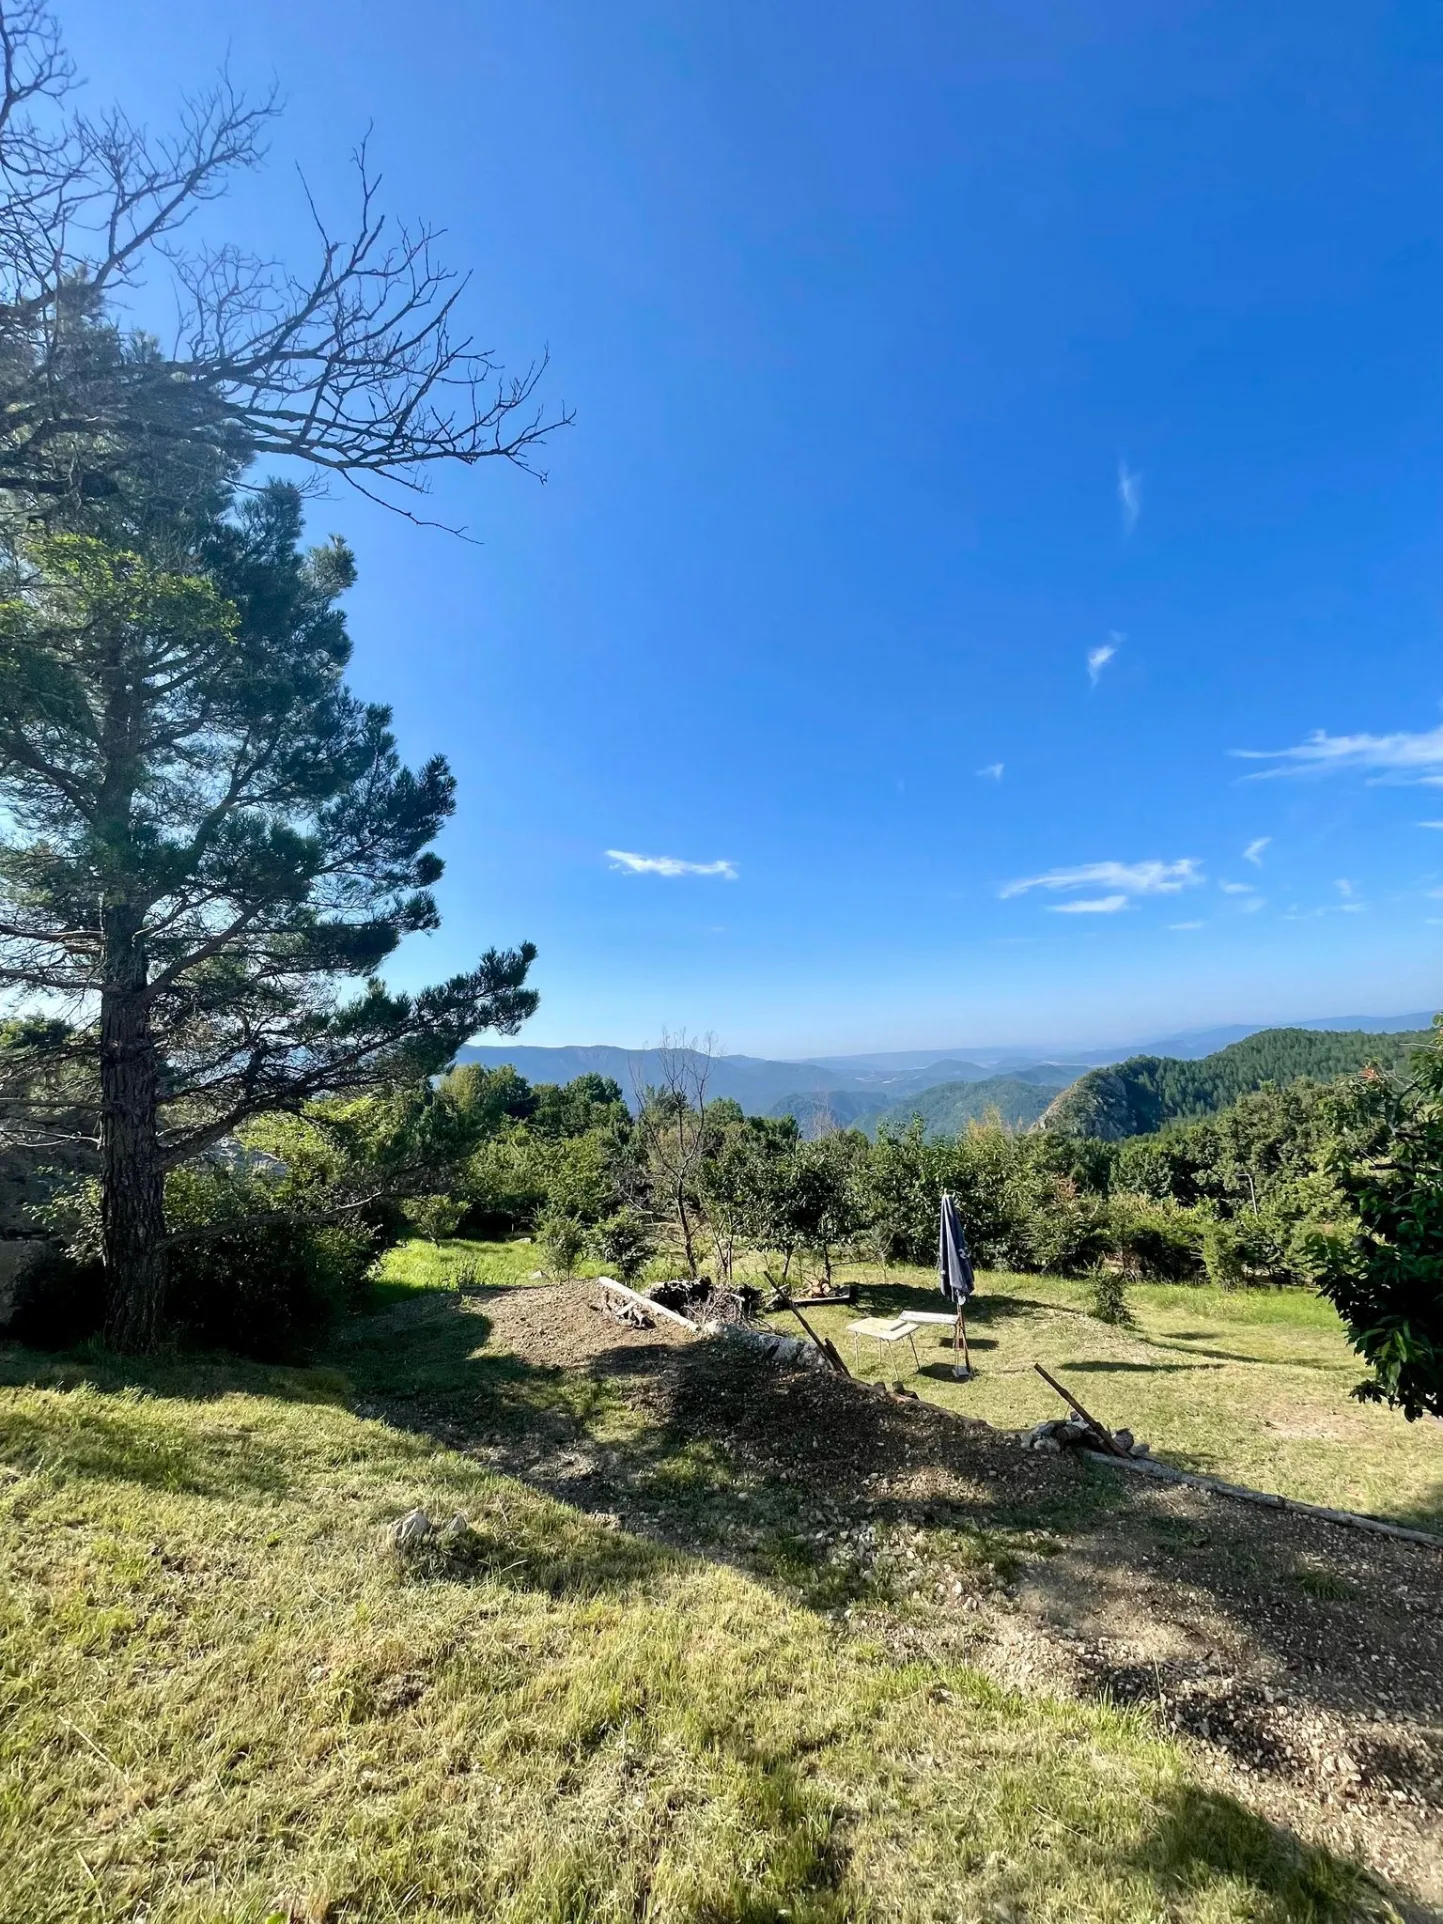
(644,1303)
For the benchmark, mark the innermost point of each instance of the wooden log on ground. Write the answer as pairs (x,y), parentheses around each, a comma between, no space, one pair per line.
(638,1301)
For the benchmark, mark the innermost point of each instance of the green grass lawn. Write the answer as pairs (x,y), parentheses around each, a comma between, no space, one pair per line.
(417,1264)
(222,1703)
(1249,1385)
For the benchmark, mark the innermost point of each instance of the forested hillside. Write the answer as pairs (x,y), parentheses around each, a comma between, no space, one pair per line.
(1145,1093)
(945,1108)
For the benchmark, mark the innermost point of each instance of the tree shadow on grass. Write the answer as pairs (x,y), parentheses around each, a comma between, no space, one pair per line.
(654,1456)
(1112,1365)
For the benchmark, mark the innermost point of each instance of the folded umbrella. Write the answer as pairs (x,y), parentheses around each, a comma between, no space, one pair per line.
(954,1274)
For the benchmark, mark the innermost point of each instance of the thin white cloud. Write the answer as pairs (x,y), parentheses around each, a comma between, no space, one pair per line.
(1343,886)
(1237,888)
(1098,658)
(670,865)
(1096,905)
(1252,904)
(1129,496)
(1430,824)
(1180,926)
(993,770)
(1254,851)
(1385,758)
(1130,878)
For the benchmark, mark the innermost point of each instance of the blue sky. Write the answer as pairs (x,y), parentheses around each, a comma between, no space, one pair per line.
(990,421)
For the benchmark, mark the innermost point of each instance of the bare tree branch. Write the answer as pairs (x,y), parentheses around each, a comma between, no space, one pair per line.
(357,366)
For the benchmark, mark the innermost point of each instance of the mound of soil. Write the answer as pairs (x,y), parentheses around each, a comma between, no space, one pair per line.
(1302,1661)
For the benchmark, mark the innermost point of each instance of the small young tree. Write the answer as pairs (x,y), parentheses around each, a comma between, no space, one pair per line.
(204,834)
(671,1124)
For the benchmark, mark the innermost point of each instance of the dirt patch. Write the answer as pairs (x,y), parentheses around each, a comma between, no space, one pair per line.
(564,1324)
(1300,1661)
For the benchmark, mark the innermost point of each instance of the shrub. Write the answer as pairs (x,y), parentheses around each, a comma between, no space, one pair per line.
(261,1288)
(61,1302)
(267,1291)
(434,1216)
(1109,1299)
(624,1241)
(563,1238)
(1155,1240)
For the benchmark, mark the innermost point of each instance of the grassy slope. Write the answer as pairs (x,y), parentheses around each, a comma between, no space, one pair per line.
(220,1702)
(1251,1385)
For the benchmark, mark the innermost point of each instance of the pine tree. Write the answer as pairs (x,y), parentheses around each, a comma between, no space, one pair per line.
(203,836)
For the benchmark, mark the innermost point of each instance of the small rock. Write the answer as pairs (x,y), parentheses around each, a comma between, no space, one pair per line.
(411,1531)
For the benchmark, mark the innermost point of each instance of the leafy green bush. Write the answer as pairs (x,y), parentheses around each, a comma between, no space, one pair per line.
(563,1237)
(1386,1277)
(240,1282)
(1109,1298)
(434,1216)
(61,1301)
(250,1269)
(1155,1241)
(624,1242)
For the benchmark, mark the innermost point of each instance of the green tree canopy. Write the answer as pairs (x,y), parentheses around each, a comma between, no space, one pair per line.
(205,837)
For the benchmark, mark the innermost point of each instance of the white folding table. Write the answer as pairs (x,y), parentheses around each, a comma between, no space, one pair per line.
(884,1329)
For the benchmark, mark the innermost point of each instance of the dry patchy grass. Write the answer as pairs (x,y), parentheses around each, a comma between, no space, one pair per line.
(219,1700)
(1250,1385)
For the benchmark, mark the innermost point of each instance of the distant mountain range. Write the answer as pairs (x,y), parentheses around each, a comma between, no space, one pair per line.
(763,1087)
(1147,1092)
(859,1089)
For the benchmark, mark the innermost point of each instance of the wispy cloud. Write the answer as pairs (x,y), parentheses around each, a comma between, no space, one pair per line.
(992,770)
(1128,878)
(1237,888)
(1385,758)
(1180,926)
(1098,658)
(1129,496)
(1343,886)
(1430,824)
(670,865)
(1254,851)
(1095,905)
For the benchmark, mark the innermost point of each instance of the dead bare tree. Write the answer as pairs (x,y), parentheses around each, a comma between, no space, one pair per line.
(355,365)
(671,1117)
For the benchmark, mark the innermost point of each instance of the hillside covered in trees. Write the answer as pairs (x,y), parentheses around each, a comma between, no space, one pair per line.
(1145,1093)
(944,1108)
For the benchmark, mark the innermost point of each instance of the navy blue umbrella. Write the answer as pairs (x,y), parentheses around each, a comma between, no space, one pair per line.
(954,1275)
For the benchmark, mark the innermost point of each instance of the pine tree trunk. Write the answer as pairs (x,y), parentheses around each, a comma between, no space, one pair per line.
(132,1182)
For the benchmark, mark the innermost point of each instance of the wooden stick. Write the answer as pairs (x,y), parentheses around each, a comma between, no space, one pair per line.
(645,1302)
(1114,1449)
(829,1350)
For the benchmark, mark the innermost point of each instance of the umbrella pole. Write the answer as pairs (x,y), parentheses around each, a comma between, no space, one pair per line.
(959,1337)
